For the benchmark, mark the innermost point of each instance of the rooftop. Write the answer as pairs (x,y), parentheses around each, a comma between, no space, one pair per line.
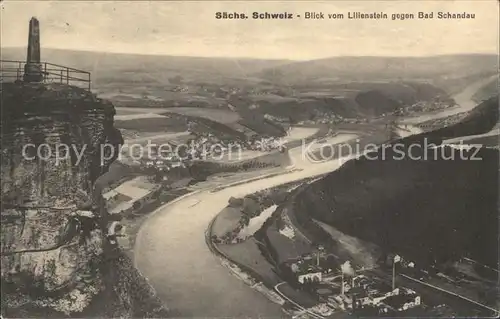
(398,301)
(305,265)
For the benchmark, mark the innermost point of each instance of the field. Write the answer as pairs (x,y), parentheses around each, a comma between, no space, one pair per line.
(248,254)
(284,240)
(117,173)
(120,110)
(302,298)
(159,124)
(271,98)
(329,146)
(144,138)
(134,116)
(224,116)
(177,119)
(219,179)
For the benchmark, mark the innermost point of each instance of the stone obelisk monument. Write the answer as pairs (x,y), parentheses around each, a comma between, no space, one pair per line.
(33,67)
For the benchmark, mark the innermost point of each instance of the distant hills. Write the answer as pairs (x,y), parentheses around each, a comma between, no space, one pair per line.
(345,86)
(336,69)
(380,68)
(102,62)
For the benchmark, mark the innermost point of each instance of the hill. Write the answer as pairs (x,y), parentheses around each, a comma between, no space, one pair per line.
(344,69)
(487,91)
(348,100)
(425,208)
(129,67)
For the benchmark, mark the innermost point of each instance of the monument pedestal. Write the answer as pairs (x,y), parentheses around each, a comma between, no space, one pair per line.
(33,68)
(33,72)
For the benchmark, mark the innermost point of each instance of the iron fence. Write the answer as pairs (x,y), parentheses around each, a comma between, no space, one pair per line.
(11,71)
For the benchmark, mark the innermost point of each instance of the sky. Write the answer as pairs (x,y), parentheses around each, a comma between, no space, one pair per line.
(190,29)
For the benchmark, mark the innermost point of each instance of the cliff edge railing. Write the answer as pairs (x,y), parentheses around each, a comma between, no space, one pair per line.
(11,71)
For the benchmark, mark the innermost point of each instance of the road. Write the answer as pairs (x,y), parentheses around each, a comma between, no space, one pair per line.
(136,116)
(171,252)
(219,115)
(302,309)
(121,110)
(152,138)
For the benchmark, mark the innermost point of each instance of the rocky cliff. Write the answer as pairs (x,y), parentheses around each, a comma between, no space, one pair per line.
(55,258)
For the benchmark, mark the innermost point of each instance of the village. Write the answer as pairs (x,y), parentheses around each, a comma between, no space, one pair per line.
(355,291)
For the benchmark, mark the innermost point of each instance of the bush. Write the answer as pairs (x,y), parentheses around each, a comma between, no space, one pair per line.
(250,206)
(235,202)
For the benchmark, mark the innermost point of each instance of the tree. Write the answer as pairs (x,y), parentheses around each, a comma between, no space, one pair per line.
(235,202)
(392,130)
(136,205)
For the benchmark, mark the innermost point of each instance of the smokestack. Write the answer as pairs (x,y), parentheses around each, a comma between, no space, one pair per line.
(342,287)
(33,67)
(347,269)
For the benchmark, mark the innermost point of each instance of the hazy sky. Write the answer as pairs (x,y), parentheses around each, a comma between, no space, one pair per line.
(190,28)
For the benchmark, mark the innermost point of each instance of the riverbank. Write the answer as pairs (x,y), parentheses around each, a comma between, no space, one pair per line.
(242,252)
(215,183)
(249,276)
(246,268)
(150,252)
(134,222)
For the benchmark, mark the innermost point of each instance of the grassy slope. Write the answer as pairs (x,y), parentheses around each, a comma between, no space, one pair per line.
(487,91)
(160,125)
(448,207)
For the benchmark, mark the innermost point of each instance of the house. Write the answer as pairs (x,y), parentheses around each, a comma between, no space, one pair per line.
(177,164)
(313,276)
(342,301)
(110,195)
(122,208)
(378,298)
(133,191)
(402,302)
(412,304)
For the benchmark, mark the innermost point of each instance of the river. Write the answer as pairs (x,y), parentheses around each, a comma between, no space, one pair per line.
(171,252)
(463,100)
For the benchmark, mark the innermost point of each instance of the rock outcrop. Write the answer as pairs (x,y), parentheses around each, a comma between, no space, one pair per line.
(55,259)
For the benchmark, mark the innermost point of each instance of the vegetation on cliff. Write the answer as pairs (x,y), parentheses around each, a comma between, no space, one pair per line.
(56,261)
